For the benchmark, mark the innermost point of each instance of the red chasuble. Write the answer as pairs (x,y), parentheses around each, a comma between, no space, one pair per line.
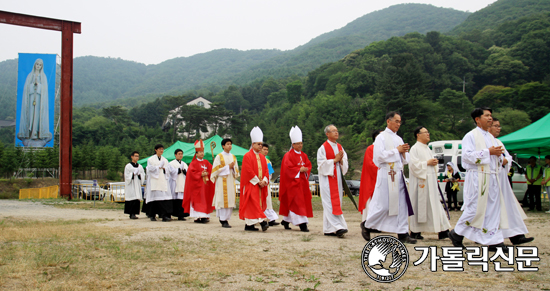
(333,180)
(252,203)
(368,179)
(294,193)
(196,191)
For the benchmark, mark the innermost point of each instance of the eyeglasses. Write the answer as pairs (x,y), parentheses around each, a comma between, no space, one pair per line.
(496,126)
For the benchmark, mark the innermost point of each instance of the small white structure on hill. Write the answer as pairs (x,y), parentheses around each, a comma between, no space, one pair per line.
(201,102)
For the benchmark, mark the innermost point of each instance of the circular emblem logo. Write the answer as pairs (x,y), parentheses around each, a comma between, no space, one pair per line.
(385,259)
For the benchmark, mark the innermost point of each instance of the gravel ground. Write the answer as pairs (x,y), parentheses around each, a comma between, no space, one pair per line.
(298,261)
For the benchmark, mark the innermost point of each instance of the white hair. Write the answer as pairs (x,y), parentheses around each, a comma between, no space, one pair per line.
(327,128)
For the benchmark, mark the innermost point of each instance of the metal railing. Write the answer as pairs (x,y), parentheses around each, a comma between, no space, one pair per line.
(313,188)
(39,193)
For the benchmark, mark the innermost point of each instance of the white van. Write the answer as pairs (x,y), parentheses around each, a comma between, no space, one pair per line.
(451,151)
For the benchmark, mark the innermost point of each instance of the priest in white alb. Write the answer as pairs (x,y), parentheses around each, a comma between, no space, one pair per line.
(390,205)
(332,163)
(484,214)
(158,193)
(177,184)
(517,228)
(134,176)
(225,171)
(429,214)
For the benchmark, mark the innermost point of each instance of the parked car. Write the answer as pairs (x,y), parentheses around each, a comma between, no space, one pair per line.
(85,189)
(353,186)
(314,184)
(113,191)
(274,185)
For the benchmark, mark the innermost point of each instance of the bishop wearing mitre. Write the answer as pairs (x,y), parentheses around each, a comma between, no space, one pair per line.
(294,193)
(254,183)
(199,189)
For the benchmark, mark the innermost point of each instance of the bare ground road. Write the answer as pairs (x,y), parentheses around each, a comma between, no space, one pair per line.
(69,245)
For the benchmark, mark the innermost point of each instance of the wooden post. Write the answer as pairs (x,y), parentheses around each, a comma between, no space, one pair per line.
(67,29)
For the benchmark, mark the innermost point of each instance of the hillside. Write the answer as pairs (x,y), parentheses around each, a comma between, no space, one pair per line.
(103,80)
(396,20)
(8,87)
(500,12)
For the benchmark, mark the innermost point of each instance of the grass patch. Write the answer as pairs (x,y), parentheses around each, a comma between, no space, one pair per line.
(63,254)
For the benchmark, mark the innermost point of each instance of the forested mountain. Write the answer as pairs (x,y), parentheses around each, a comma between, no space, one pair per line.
(103,80)
(433,79)
(396,20)
(8,87)
(500,12)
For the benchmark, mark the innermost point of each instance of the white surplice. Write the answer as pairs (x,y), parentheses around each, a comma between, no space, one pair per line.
(378,214)
(133,178)
(429,213)
(516,215)
(489,233)
(158,184)
(325,167)
(177,181)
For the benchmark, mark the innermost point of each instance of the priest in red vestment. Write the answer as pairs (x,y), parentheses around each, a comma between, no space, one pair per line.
(254,183)
(368,180)
(294,193)
(199,189)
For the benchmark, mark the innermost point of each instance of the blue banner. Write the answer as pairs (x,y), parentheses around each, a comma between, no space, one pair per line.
(35,100)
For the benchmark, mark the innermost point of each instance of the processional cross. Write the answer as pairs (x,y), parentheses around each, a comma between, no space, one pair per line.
(392,173)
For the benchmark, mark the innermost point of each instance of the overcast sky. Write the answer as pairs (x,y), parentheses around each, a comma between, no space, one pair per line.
(151,32)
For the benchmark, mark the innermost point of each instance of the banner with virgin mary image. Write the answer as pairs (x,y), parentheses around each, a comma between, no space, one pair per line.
(35,100)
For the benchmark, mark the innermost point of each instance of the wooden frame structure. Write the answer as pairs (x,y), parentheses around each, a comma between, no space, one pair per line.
(67,28)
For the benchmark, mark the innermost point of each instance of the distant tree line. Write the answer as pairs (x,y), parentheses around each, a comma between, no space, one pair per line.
(433,80)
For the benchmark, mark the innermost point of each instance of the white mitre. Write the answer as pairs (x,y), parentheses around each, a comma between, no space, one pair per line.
(295,134)
(256,135)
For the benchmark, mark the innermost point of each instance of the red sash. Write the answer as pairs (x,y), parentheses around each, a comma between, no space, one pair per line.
(333,180)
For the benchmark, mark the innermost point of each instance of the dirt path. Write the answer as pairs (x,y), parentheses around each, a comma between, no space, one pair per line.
(286,260)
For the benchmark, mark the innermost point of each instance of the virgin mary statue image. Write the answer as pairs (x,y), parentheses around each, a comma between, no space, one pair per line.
(34,124)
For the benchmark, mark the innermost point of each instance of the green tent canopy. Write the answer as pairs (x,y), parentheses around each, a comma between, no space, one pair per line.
(189,151)
(532,140)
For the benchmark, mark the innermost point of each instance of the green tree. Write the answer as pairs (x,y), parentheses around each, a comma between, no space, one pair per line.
(494,96)
(533,98)
(234,100)
(117,114)
(9,161)
(512,120)
(502,69)
(456,120)
(103,158)
(42,159)
(294,91)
